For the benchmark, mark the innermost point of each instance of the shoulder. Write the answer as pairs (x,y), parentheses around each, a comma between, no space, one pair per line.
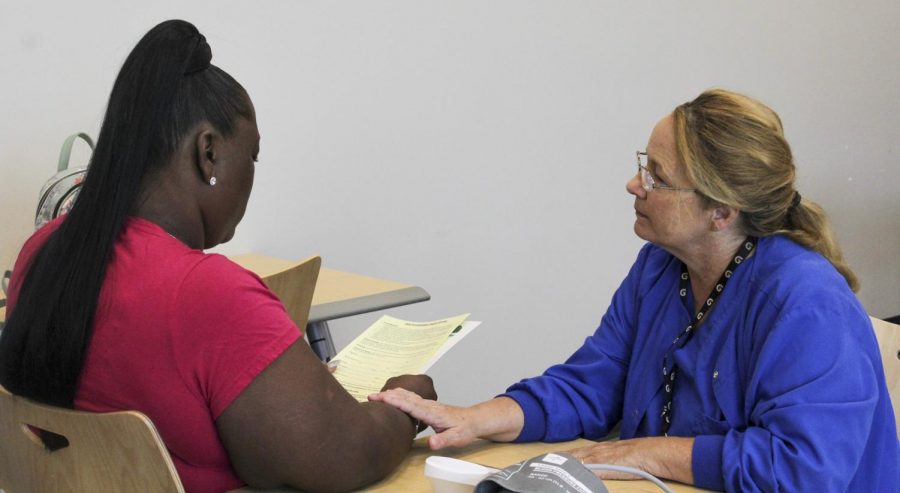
(184,267)
(148,253)
(206,285)
(795,294)
(227,328)
(211,267)
(216,280)
(227,310)
(34,243)
(26,254)
(787,273)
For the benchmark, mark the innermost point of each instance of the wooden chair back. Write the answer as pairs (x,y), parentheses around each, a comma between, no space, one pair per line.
(118,451)
(293,282)
(888,335)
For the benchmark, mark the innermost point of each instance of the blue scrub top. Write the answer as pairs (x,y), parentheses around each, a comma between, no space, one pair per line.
(782,385)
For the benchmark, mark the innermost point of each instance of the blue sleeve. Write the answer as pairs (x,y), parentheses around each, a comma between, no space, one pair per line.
(811,400)
(583,396)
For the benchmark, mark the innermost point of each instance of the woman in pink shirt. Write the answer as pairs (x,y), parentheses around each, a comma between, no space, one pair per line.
(116,306)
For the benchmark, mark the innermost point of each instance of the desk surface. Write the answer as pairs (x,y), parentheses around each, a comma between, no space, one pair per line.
(410,475)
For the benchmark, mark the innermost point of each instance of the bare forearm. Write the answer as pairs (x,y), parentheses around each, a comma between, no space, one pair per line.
(295,425)
(500,419)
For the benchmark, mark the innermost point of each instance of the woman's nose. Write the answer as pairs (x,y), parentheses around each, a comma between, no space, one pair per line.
(635,188)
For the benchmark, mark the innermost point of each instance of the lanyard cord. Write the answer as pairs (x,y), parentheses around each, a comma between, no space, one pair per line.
(670,372)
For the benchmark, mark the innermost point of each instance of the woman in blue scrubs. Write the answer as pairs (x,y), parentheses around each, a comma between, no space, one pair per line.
(735,354)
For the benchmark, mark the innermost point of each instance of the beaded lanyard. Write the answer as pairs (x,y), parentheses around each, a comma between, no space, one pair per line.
(669,373)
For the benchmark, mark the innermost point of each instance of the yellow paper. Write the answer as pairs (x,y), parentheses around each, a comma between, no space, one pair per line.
(388,348)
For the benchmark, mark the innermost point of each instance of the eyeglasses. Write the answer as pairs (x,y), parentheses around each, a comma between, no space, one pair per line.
(648,183)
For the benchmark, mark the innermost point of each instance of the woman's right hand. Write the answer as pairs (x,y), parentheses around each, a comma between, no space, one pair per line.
(455,426)
(500,419)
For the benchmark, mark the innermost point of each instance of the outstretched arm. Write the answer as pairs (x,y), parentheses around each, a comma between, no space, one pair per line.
(295,425)
(501,420)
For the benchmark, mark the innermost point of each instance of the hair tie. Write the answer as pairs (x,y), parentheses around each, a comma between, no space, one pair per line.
(200,56)
(795,202)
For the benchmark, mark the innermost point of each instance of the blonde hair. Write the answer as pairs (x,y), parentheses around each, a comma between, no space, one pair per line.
(734,151)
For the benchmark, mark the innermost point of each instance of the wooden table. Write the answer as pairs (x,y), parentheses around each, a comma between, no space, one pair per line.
(410,477)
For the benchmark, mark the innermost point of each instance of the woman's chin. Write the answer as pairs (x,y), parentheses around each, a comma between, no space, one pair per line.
(641,230)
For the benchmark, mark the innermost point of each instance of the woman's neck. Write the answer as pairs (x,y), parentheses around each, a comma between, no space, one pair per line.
(170,206)
(706,264)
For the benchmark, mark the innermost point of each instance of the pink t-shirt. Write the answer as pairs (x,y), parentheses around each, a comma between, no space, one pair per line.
(178,334)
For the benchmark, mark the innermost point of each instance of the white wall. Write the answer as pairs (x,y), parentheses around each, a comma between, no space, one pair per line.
(480,149)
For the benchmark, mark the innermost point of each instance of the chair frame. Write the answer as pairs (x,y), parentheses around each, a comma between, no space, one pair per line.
(888,336)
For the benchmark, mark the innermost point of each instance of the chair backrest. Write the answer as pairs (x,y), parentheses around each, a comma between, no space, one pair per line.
(118,451)
(888,335)
(293,282)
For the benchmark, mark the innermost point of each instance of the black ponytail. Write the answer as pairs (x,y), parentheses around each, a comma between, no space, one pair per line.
(165,87)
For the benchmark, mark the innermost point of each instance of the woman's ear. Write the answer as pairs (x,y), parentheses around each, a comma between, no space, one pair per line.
(723,216)
(205,143)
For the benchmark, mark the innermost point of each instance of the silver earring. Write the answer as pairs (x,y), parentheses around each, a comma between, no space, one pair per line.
(212,181)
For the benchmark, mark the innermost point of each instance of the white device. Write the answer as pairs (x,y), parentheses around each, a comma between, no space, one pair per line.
(449,475)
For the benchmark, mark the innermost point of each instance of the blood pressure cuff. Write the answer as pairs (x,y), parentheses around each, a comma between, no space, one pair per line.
(547,473)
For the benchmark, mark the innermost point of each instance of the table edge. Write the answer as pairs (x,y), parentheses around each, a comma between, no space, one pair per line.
(365,304)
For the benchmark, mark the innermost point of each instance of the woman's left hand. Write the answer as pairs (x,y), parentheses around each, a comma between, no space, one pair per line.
(421,385)
(665,457)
